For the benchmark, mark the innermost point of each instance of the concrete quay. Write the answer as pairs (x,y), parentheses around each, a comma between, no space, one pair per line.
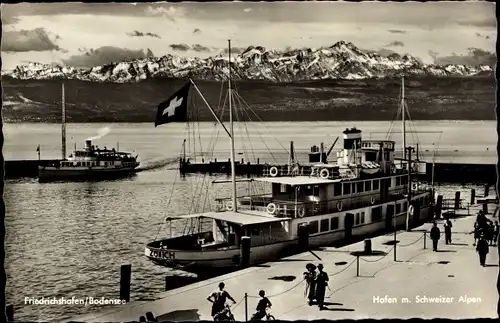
(449,283)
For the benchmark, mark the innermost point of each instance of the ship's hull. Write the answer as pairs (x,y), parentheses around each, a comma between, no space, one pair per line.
(49,174)
(224,259)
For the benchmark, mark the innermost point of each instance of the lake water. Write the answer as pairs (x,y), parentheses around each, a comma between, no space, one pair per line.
(70,239)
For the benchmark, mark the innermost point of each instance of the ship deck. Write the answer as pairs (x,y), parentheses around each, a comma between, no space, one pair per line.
(384,288)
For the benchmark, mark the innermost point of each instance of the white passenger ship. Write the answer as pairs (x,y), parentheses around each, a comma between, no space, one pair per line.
(90,163)
(365,191)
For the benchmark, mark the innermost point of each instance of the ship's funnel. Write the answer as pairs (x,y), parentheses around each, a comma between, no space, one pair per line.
(352,143)
(88,144)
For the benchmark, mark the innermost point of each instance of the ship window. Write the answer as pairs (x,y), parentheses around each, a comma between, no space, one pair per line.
(362,217)
(324,225)
(398,208)
(353,188)
(357,218)
(78,164)
(398,181)
(255,231)
(376,184)
(105,163)
(334,223)
(404,180)
(360,188)
(282,188)
(347,188)
(337,189)
(316,190)
(377,213)
(368,185)
(313,227)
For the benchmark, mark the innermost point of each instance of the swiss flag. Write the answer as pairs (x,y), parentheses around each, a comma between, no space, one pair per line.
(175,108)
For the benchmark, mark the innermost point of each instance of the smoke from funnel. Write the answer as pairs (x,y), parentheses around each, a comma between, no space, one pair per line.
(101,133)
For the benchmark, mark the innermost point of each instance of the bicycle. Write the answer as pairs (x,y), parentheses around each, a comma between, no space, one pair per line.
(225,314)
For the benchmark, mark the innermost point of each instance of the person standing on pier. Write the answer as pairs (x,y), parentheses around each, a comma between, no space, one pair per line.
(218,299)
(435,235)
(321,285)
(310,277)
(482,249)
(447,231)
(495,233)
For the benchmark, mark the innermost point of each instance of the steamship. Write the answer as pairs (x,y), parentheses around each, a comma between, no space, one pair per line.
(366,190)
(89,163)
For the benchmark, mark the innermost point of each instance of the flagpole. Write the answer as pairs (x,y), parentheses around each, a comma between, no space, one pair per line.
(209,107)
(231,127)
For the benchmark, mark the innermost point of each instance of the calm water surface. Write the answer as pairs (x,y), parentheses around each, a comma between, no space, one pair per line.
(70,239)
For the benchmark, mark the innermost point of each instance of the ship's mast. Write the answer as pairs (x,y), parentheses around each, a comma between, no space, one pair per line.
(403,112)
(63,130)
(231,129)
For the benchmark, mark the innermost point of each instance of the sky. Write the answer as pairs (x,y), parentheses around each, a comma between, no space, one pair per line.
(86,34)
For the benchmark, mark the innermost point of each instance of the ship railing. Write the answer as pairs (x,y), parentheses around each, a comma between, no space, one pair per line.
(297,170)
(290,208)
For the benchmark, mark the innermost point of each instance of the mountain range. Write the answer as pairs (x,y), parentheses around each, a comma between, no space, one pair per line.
(343,60)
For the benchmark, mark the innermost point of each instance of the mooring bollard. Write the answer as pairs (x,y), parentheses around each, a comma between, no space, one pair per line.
(472,196)
(125,278)
(457,200)
(425,238)
(303,233)
(246,307)
(439,206)
(368,246)
(9,312)
(245,252)
(357,266)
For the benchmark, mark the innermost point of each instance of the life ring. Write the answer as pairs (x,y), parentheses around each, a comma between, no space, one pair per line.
(411,209)
(273,171)
(372,200)
(229,206)
(271,208)
(301,212)
(339,206)
(324,173)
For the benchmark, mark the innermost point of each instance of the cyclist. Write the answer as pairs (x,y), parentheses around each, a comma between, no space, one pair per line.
(263,304)
(218,299)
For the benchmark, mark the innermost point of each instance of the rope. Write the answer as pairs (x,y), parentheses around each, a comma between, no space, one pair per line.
(378,258)
(406,245)
(236,305)
(286,291)
(345,268)
(168,203)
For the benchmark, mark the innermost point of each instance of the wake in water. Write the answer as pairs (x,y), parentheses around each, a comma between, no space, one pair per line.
(157,163)
(101,133)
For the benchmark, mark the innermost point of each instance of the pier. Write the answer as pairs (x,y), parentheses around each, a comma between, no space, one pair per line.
(443,172)
(25,168)
(397,280)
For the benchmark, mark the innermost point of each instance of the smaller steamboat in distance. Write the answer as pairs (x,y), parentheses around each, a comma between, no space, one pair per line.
(91,163)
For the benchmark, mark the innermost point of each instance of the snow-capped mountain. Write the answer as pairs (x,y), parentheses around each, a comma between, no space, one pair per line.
(343,60)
